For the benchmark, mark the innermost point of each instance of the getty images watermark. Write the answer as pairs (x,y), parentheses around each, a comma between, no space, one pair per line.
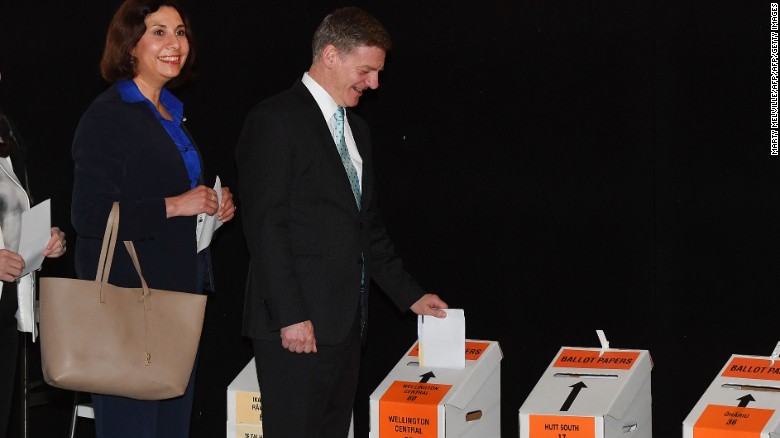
(774,117)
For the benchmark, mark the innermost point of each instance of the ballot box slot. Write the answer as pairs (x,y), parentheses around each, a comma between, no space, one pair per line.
(750,387)
(587,376)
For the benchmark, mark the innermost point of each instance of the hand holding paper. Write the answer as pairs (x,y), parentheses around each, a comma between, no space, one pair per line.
(208,224)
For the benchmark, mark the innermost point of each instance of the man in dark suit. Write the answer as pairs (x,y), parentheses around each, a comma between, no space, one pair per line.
(314,234)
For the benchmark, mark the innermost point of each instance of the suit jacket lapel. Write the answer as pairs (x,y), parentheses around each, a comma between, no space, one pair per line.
(314,117)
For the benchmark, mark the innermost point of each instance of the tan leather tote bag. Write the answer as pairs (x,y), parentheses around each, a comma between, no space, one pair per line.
(132,342)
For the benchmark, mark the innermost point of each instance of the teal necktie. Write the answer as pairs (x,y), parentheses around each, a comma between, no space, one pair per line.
(344,153)
(355,183)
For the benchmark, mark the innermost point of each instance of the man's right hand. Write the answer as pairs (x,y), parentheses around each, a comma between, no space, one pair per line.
(299,338)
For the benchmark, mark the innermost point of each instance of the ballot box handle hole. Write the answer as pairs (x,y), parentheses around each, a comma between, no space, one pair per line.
(628,428)
(413,363)
(473,416)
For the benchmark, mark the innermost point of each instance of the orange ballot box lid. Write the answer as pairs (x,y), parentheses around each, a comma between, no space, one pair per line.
(591,393)
(741,402)
(430,402)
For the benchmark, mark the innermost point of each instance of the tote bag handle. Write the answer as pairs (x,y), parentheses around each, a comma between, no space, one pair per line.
(107,256)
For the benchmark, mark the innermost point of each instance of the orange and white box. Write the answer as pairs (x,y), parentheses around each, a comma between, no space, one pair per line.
(427,402)
(591,393)
(245,413)
(741,402)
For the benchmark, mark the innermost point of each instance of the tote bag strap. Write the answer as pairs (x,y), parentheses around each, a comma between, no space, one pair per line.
(107,250)
(145,297)
(107,256)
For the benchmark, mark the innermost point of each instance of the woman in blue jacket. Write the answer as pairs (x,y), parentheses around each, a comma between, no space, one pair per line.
(132,146)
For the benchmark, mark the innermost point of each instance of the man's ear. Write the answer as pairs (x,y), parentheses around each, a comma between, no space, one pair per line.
(330,55)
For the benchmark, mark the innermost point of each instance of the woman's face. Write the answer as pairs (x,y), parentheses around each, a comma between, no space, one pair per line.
(163,48)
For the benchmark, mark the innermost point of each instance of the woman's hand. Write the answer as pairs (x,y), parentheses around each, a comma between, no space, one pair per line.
(201,199)
(56,246)
(228,208)
(11,265)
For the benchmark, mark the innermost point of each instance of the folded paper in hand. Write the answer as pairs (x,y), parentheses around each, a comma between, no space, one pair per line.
(208,224)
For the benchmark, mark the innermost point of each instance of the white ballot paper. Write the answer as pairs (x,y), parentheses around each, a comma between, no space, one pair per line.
(442,340)
(35,234)
(208,224)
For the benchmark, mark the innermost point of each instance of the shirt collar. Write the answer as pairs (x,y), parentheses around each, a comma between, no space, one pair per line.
(326,103)
(130,93)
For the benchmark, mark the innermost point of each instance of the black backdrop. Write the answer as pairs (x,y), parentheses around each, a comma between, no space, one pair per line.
(552,167)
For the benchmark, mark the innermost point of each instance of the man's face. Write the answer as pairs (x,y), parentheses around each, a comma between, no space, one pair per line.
(356,72)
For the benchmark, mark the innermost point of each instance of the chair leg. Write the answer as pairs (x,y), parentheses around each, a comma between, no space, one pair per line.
(74,416)
(24,384)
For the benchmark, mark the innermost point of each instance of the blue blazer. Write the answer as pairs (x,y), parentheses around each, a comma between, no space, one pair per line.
(304,232)
(121,152)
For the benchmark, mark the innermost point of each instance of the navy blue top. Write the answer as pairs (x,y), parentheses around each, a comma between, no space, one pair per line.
(130,93)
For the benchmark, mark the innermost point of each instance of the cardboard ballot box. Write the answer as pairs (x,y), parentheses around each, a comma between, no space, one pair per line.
(591,393)
(425,402)
(245,415)
(741,402)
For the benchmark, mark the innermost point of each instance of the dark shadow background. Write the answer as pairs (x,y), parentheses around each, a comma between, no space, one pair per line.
(552,167)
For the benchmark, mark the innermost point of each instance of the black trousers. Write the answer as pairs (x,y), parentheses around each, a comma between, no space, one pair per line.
(121,417)
(308,394)
(9,350)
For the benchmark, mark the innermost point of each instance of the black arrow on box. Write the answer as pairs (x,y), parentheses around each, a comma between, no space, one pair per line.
(427,376)
(744,400)
(575,389)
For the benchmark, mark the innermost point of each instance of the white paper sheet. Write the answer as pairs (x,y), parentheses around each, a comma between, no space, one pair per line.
(208,224)
(442,340)
(35,234)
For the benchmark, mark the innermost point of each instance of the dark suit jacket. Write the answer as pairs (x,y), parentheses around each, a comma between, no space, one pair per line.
(123,153)
(304,231)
